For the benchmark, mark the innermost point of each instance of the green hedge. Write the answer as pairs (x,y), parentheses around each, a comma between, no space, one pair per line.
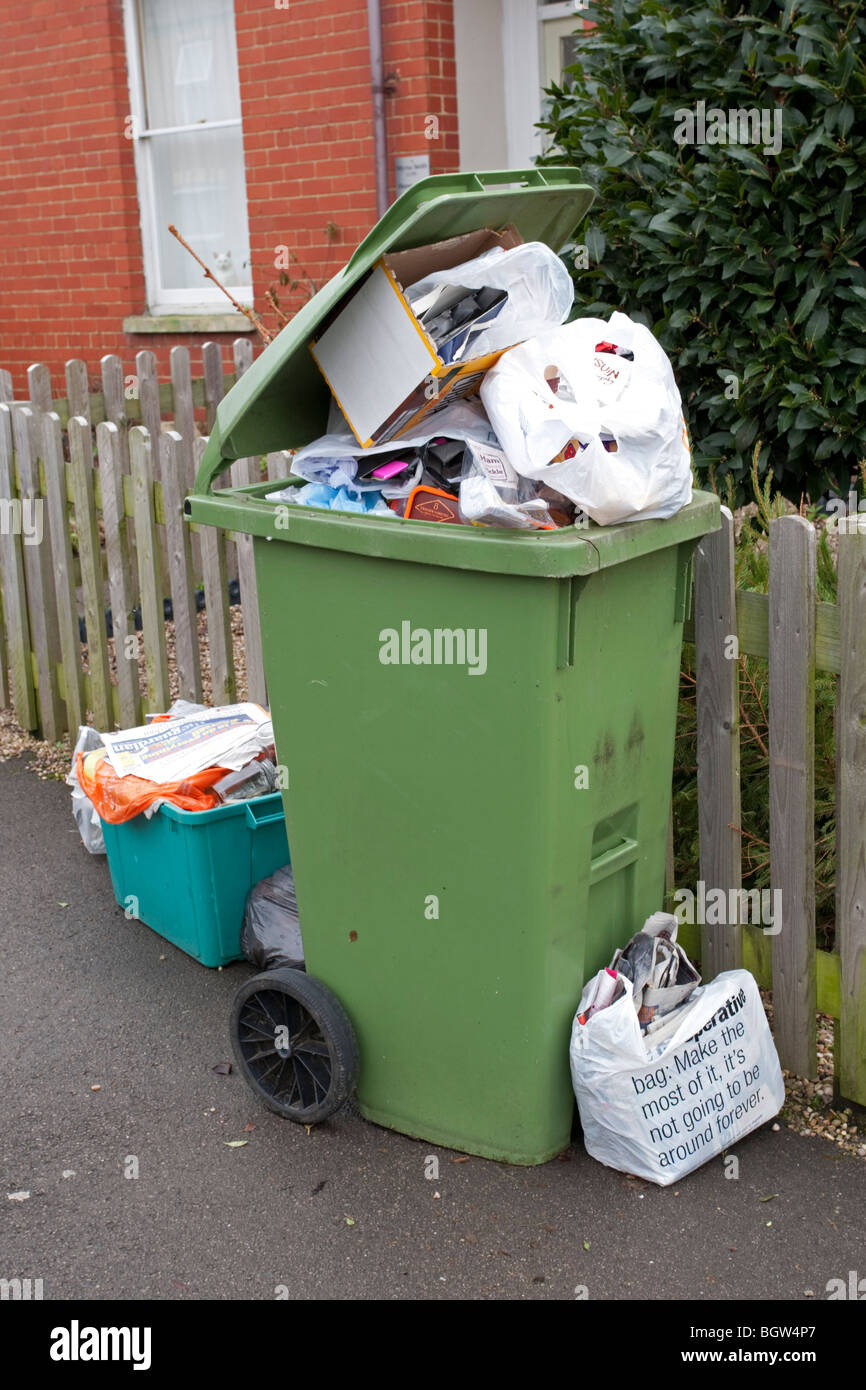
(746,259)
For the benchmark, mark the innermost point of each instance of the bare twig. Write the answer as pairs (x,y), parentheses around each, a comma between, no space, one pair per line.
(760,703)
(271,297)
(748,836)
(249,313)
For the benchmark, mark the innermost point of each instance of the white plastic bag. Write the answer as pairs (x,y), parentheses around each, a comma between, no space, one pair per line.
(661,1111)
(83,809)
(539,287)
(555,392)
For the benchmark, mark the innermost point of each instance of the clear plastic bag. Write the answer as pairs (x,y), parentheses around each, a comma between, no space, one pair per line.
(539,288)
(481,504)
(493,494)
(257,778)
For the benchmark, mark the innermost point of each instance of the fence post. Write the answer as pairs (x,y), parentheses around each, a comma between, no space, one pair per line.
(180,569)
(78,389)
(184,424)
(119,573)
(149,570)
(39,386)
(81,470)
(212,366)
(39,575)
(219,636)
(64,572)
(148,397)
(15,616)
(114,393)
(792,789)
(718,714)
(851,817)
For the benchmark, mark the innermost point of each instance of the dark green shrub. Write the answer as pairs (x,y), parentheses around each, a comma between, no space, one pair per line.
(747,264)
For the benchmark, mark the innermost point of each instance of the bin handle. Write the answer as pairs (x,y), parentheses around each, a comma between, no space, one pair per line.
(529,178)
(254,819)
(623,854)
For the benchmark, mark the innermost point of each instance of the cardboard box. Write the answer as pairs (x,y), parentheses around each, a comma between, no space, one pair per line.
(381,365)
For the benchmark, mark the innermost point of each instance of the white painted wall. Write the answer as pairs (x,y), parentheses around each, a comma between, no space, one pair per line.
(522,81)
(481,120)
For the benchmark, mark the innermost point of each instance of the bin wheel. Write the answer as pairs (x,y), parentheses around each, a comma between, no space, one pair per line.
(294,1044)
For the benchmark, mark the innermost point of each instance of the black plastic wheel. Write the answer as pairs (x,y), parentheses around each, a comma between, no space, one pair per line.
(294,1044)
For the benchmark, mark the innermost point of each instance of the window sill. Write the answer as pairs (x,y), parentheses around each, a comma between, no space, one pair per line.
(187,323)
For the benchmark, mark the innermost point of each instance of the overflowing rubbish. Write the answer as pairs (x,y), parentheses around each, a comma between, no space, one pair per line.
(527,289)
(257,778)
(271,932)
(667,1071)
(567,424)
(118,799)
(180,746)
(193,757)
(459,474)
(598,418)
(453,317)
(427,323)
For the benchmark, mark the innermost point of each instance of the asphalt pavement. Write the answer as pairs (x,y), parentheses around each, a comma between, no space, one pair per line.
(115,1122)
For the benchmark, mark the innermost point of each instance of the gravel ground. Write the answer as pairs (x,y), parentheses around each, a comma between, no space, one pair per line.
(809,1107)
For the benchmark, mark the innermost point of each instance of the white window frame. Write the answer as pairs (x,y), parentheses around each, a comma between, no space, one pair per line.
(160,300)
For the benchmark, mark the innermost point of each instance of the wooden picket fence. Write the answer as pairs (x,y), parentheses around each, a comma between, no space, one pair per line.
(112,468)
(797,636)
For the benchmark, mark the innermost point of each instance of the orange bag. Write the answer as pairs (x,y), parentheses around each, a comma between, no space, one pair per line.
(120,798)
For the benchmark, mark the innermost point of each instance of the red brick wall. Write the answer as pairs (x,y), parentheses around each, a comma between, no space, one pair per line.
(70,240)
(419,50)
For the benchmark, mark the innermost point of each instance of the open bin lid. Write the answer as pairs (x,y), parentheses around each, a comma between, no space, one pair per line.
(282,400)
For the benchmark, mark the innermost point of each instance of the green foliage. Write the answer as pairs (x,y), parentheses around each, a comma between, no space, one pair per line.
(747,264)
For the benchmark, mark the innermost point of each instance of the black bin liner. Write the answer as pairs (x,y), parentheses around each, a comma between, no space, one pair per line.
(271,933)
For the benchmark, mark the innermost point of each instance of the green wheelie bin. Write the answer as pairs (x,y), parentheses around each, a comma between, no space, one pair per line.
(471,836)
